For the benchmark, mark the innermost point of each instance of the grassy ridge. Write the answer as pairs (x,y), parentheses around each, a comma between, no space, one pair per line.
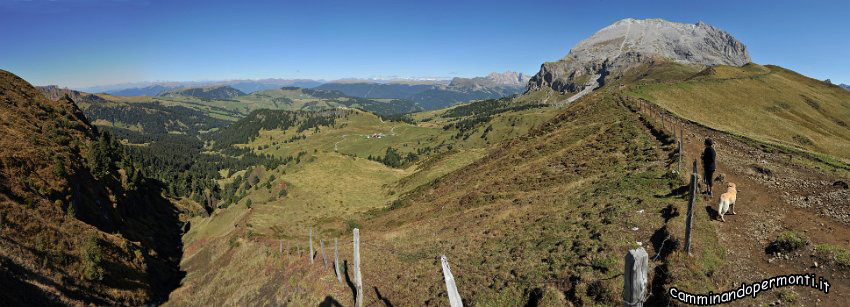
(767,103)
(544,219)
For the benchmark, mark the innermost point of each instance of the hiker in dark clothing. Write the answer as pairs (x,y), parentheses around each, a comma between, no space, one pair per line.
(708,164)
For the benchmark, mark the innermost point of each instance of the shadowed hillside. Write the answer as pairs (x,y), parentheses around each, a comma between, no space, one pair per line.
(78,222)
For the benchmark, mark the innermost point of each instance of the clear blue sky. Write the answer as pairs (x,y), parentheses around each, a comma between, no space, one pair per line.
(80,43)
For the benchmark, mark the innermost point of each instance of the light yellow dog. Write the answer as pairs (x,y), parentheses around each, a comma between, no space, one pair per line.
(727,201)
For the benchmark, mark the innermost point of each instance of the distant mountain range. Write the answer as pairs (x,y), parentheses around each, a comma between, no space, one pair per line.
(377,90)
(431,93)
(437,96)
(154,88)
(845,86)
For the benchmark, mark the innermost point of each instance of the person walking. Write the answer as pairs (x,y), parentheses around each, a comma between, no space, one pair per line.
(709,157)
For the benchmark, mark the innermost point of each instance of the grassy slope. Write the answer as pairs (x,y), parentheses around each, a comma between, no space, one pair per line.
(331,205)
(550,214)
(51,205)
(766,103)
(542,214)
(212,245)
(349,135)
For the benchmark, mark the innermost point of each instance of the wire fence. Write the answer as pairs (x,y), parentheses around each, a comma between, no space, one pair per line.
(437,282)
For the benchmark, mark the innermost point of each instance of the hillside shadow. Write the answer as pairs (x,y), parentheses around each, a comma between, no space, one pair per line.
(663,243)
(712,213)
(383,299)
(662,136)
(348,280)
(330,302)
(17,292)
(534,297)
(142,215)
(669,212)
(681,192)
(658,287)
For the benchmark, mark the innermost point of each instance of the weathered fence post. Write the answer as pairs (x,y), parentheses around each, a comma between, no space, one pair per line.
(311,245)
(280,243)
(662,119)
(635,278)
(358,279)
(657,115)
(451,288)
(336,261)
(681,143)
(689,221)
(322,247)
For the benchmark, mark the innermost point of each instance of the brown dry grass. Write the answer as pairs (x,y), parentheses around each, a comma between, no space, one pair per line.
(42,176)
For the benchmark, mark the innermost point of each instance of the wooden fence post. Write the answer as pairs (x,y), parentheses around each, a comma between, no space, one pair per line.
(654,116)
(311,245)
(451,288)
(662,119)
(654,110)
(358,279)
(689,221)
(280,243)
(322,247)
(635,278)
(681,143)
(336,261)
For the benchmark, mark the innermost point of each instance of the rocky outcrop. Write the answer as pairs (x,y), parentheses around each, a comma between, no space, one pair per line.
(629,43)
(493,86)
(496,79)
(509,78)
(53,92)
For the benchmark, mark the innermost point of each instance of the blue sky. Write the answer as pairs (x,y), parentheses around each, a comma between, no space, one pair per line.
(79,43)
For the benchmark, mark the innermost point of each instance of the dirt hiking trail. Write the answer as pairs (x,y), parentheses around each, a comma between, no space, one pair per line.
(775,194)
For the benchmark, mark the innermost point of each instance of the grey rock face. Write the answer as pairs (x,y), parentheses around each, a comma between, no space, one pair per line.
(508,78)
(631,42)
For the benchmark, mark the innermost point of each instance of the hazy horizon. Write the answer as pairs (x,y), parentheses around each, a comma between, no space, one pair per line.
(88,43)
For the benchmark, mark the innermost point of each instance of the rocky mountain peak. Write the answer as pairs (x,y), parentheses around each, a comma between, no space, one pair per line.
(509,78)
(628,43)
